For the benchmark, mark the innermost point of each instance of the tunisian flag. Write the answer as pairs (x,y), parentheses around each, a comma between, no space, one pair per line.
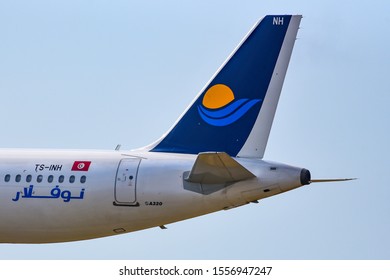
(81,165)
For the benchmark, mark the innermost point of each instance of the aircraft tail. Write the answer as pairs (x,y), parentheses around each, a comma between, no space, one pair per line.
(235,110)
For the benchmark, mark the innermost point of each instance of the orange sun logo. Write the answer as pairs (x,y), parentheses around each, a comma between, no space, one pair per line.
(219,107)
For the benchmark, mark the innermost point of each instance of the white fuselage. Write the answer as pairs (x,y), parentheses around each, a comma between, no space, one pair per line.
(58,196)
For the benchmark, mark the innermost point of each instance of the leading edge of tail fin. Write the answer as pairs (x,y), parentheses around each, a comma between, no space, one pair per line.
(234,112)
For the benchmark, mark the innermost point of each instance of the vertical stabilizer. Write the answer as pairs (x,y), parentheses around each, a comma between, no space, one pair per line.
(235,110)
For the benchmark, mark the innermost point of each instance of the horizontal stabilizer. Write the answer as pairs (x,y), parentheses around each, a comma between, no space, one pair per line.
(217,168)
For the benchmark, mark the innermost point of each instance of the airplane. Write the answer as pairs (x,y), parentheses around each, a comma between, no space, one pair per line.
(211,159)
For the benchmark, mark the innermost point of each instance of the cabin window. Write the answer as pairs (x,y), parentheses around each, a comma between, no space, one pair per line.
(71,179)
(83,179)
(18,178)
(61,179)
(7,178)
(39,178)
(28,178)
(50,179)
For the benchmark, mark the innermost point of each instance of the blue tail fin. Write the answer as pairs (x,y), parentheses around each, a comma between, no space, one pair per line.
(234,112)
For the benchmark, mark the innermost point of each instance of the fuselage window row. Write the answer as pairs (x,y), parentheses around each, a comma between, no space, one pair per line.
(40,179)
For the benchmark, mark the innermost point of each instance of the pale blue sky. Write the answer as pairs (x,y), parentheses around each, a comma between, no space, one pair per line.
(93,74)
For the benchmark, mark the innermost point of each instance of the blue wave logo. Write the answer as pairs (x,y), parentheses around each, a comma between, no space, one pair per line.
(219,107)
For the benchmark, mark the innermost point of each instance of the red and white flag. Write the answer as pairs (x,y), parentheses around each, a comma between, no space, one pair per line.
(81,166)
